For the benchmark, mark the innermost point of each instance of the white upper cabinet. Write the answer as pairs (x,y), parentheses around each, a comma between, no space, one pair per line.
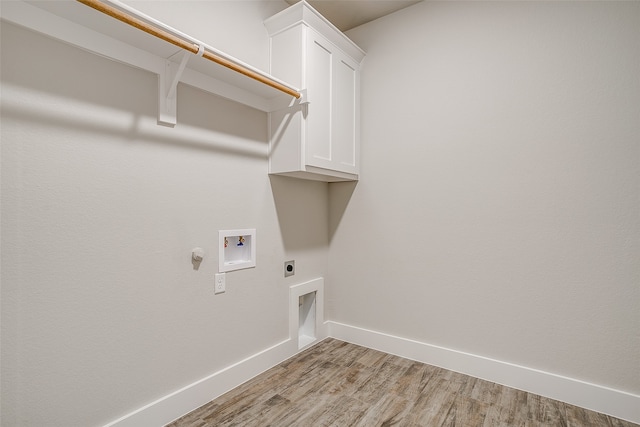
(318,136)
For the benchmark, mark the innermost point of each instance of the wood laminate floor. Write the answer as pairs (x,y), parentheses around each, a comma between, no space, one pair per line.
(339,384)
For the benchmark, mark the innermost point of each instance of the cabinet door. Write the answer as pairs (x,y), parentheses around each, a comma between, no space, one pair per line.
(332,84)
(319,60)
(344,114)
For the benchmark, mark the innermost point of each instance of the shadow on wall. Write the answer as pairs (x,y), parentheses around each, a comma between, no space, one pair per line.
(134,132)
(339,196)
(302,208)
(108,98)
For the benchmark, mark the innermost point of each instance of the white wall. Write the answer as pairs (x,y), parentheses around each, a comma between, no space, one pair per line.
(102,310)
(498,211)
(234,27)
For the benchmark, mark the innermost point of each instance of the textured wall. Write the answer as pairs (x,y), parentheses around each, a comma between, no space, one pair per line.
(498,211)
(102,310)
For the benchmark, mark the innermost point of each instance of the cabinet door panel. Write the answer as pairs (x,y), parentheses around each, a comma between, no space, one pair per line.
(343,126)
(318,130)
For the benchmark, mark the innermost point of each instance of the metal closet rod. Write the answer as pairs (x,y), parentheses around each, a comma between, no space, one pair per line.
(186,45)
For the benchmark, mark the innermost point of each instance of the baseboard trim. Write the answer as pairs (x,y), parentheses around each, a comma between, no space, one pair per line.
(183,401)
(597,398)
(609,401)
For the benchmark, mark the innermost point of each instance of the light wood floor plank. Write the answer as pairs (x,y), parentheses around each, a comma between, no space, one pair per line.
(339,384)
(466,412)
(390,410)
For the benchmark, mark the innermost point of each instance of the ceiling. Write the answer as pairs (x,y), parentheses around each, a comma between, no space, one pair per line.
(348,14)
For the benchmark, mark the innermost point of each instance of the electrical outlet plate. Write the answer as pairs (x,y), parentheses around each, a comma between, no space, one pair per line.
(220,284)
(289,268)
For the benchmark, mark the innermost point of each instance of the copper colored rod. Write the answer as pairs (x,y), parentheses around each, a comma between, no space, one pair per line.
(186,45)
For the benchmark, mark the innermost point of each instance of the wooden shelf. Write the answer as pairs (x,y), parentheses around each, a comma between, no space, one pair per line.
(86,28)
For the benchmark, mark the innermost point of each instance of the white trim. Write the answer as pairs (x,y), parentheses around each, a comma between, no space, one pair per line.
(185,400)
(597,398)
(616,403)
(295,292)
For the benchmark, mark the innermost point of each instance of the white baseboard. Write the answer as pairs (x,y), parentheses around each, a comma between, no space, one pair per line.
(612,402)
(597,398)
(183,401)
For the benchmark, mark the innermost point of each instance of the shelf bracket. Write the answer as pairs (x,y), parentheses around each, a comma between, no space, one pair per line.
(304,97)
(304,102)
(167,87)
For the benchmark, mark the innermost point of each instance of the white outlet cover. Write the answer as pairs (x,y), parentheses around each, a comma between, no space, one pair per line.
(220,283)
